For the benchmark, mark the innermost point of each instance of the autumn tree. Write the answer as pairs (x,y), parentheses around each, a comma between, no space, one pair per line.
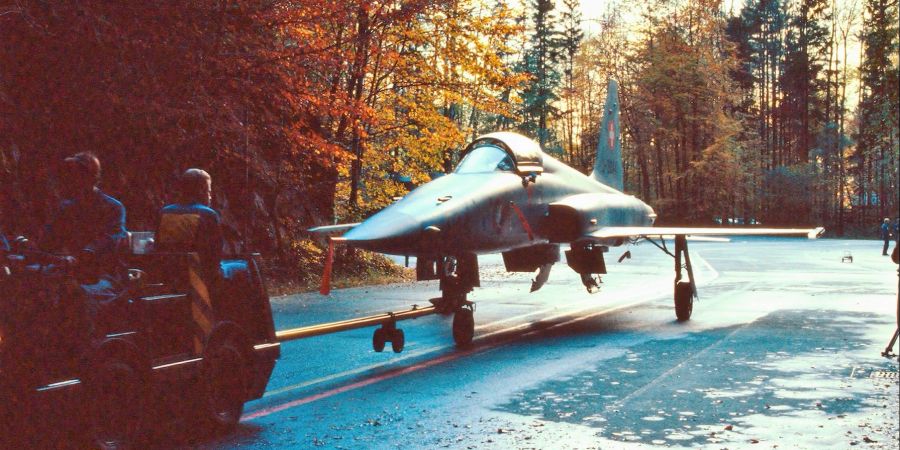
(803,104)
(541,63)
(153,88)
(428,85)
(876,156)
(683,97)
(570,39)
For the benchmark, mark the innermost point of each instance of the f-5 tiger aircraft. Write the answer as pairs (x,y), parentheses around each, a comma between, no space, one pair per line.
(508,196)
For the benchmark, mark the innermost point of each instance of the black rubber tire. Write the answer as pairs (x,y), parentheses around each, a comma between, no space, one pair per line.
(223,385)
(118,404)
(398,340)
(684,300)
(463,327)
(378,340)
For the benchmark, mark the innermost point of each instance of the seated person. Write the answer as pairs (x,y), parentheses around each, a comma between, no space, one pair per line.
(89,226)
(190,225)
(87,230)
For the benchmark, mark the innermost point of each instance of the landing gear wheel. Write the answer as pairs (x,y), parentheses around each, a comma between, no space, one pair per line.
(397,341)
(378,340)
(463,327)
(223,385)
(118,404)
(684,300)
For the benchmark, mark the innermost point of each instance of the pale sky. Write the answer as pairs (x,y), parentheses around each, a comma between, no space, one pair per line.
(592,10)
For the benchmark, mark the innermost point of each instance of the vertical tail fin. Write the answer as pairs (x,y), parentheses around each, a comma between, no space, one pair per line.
(608,165)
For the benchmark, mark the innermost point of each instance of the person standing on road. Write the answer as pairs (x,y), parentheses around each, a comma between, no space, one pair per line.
(886,235)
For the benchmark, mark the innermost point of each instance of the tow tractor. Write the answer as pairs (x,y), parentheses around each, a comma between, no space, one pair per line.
(156,352)
(101,375)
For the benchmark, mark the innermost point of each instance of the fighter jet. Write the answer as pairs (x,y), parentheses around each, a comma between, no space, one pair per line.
(508,196)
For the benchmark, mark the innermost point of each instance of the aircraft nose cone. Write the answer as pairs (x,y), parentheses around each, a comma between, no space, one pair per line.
(394,233)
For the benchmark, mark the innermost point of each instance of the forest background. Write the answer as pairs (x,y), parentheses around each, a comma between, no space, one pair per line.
(309,112)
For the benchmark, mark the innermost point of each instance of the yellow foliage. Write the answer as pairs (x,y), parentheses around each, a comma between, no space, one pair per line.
(423,80)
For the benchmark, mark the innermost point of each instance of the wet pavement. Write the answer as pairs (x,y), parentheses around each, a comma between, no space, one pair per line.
(782,351)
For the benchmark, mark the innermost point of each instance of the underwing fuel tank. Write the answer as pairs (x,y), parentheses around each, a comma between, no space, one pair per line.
(578,215)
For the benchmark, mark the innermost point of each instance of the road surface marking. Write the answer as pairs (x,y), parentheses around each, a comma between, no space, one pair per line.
(427,350)
(405,356)
(426,364)
(416,367)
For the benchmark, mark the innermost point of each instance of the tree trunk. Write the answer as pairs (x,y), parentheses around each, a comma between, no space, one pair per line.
(355,87)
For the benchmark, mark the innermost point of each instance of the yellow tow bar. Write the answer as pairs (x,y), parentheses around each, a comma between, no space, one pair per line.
(387,320)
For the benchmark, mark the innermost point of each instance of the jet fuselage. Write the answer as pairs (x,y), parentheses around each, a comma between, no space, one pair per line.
(495,211)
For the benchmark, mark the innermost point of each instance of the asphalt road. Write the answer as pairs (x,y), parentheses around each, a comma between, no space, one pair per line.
(782,351)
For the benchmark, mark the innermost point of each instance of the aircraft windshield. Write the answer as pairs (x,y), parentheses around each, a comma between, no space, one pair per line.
(485,159)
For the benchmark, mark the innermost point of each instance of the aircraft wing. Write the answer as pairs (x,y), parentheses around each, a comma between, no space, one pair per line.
(614,232)
(339,228)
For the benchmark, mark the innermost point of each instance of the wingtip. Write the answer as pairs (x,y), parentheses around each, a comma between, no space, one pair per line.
(816,233)
(325,229)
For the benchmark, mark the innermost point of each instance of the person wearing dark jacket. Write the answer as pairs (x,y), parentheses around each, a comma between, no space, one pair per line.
(88,221)
(89,226)
(86,233)
(886,235)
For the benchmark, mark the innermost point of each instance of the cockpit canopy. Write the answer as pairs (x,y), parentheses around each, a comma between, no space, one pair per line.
(523,154)
(486,158)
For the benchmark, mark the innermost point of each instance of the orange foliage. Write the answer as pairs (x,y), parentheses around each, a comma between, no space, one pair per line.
(154,87)
(280,100)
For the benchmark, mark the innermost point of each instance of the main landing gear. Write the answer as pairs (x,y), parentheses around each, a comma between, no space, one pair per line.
(685,290)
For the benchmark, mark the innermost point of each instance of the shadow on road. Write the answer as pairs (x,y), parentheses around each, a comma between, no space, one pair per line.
(688,390)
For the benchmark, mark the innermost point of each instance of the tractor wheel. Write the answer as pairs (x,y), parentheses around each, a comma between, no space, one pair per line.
(118,402)
(223,384)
